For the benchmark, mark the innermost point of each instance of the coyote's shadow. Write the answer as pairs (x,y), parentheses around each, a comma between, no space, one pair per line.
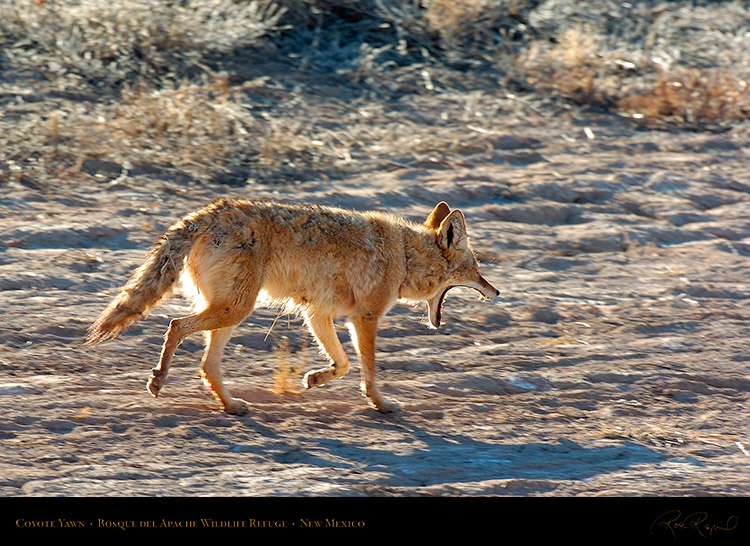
(422,458)
(452,457)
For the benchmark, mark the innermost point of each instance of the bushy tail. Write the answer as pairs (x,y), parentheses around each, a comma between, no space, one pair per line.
(152,281)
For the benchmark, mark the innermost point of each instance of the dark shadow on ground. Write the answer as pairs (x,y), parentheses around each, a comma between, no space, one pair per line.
(452,457)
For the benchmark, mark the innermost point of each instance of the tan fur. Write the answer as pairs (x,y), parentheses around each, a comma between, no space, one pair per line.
(323,262)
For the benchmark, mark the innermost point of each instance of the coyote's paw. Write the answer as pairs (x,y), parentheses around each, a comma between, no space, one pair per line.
(155,383)
(317,378)
(383,405)
(236,406)
(377,401)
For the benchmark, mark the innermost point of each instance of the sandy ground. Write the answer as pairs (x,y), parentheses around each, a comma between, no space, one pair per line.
(616,361)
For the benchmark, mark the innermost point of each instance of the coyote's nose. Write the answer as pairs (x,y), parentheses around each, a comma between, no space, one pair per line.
(485,288)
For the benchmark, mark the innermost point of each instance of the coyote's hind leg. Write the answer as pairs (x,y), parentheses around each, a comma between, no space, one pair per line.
(219,320)
(159,374)
(216,340)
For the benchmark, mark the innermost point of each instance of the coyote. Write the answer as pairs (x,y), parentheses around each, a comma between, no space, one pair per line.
(320,261)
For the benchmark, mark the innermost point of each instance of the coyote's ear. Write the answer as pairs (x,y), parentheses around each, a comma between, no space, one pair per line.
(452,231)
(437,215)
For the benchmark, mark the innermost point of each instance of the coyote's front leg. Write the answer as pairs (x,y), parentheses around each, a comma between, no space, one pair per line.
(324,331)
(364,332)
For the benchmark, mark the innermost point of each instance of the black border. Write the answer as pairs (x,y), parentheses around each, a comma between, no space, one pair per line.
(659,520)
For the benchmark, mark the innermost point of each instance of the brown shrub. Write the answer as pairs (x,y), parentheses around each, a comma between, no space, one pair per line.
(691,97)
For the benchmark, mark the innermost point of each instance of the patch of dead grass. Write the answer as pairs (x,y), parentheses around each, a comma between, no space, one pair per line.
(287,375)
(691,97)
(143,84)
(118,41)
(578,67)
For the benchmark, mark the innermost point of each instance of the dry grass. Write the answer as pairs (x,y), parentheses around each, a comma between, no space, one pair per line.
(205,131)
(579,67)
(286,376)
(472,27)
(692,97)
(108,43)
(106,89)
(574,67)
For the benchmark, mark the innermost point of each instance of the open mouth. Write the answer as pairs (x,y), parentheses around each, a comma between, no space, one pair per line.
(439,309)
(435,305)
(435,308)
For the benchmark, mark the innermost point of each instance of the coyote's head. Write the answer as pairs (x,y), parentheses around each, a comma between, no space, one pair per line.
(462,268)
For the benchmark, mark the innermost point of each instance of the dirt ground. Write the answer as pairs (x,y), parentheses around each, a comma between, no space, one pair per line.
(615,363)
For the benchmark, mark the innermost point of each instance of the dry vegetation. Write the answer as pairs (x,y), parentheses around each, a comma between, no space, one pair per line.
(692,98)
(286,377)
(236,90)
